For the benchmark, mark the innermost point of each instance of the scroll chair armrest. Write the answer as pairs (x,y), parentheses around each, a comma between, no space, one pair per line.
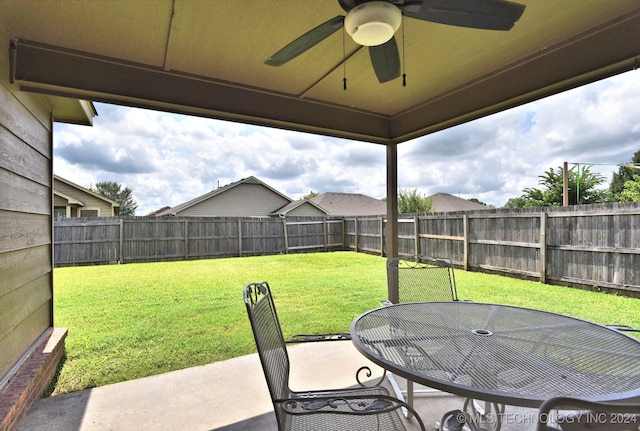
(344,402)
(307,338)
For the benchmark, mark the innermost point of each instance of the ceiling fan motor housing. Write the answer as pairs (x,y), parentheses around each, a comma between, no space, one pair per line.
(373,23)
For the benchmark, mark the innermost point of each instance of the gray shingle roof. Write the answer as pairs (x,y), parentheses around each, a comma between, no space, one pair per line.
(350,204)
(444,202)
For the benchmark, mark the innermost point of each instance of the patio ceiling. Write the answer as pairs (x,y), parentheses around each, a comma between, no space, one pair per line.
(207,58)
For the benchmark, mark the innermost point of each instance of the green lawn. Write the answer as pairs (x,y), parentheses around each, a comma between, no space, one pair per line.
(135,320)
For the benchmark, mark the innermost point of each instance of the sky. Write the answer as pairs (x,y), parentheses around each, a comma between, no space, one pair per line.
(167,159)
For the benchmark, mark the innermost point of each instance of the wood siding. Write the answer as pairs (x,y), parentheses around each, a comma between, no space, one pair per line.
(25,219)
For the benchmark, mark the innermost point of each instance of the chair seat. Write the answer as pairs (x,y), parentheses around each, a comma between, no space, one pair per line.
(349,402)
(365,408)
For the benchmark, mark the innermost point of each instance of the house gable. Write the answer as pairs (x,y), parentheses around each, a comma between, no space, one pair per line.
(301,208)
(79,201)
(248,197)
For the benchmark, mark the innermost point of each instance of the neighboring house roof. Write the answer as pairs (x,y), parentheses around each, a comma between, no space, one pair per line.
(301,208)
(444,202)
(70,199)
(350,204)
(234,199)
(78,196)
(156,212)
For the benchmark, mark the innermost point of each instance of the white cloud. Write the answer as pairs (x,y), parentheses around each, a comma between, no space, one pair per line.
(168,159)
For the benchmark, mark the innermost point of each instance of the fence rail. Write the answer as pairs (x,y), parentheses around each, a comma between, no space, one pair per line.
(95,241)
(595,245)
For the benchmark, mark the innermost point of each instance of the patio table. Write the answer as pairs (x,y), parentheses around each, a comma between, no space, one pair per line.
(499,353)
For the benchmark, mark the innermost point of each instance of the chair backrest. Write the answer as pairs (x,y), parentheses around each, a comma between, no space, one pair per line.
(422,278)
(270,342)
(588,415)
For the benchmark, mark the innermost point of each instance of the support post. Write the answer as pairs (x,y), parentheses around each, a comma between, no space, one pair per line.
(392,212)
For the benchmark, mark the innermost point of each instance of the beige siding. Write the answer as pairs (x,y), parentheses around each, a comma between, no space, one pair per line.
(306,210)
(242,200)
(25,218)
(90,202)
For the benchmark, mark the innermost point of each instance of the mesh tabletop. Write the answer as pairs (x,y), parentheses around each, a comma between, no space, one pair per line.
(499,353)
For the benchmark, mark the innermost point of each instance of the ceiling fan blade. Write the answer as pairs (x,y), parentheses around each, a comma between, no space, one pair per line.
(306,41)
(481,14)
(347,5)
(385,59)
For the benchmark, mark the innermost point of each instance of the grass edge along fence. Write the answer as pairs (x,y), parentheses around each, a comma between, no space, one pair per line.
(592,246)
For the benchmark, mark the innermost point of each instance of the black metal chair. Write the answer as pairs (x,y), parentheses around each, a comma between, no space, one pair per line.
(362,408)
(428,278)
(422,278)
(419,279)
(580,414)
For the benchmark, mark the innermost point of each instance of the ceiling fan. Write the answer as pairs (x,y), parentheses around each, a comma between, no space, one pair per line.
(374,23)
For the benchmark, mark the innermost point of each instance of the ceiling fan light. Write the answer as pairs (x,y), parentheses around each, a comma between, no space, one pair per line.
(373,23)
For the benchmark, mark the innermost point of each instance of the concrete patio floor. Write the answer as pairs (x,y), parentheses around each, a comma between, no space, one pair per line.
(225,396)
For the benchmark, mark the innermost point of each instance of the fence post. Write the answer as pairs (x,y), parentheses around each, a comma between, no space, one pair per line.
(543,247)
(239,237)
(357,233)
(344,235)
(186,239)
(416,230)
(382,236)
(326,234)
(465,243)
(121,241)
(286,238)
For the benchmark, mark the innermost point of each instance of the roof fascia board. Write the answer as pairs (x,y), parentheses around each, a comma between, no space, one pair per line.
(59,71)
(608,50)
(70,199)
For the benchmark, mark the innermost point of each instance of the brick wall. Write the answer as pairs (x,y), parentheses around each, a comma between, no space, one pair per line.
(31,380)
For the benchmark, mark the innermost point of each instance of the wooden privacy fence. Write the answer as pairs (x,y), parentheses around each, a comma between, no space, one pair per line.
(93,241)
(589,245)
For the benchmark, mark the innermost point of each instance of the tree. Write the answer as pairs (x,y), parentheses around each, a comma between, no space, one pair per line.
(631,191)
(114,191)
(625,173)
(413,202)
(478,201)
(310,195)
(582,189)
(519,202)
